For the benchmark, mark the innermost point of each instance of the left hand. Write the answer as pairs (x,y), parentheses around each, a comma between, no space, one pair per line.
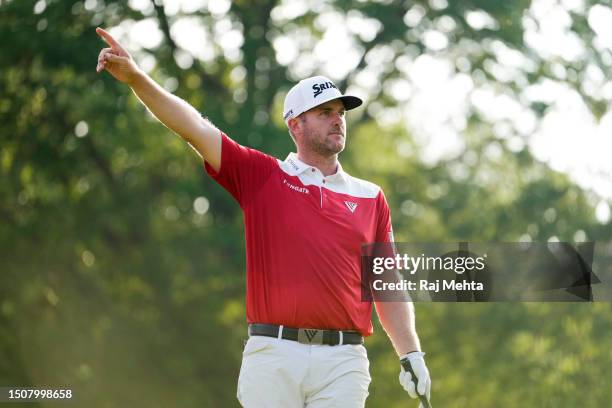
(423,382)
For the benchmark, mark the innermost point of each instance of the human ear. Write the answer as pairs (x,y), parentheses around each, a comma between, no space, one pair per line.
(294,125)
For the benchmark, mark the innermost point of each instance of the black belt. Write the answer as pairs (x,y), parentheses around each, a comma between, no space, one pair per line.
(307,336)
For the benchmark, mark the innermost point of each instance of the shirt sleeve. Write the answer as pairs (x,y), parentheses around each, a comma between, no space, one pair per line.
(243,170)
(383,247)
(384,229)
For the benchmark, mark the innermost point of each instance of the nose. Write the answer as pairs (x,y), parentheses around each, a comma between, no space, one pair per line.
(336,118)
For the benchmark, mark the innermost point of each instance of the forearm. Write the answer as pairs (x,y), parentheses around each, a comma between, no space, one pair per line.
(172,111)
(397,318)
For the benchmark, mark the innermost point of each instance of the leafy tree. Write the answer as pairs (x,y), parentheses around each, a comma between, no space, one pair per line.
(122,267)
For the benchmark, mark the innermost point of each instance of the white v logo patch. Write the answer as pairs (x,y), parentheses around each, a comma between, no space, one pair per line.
(351,206)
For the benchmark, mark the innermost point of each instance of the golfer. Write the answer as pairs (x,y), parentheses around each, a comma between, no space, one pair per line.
(305,221)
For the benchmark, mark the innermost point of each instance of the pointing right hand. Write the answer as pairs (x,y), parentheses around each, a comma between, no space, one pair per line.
(115,59)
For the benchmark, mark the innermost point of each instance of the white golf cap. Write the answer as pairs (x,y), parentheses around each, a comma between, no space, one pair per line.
(314,91)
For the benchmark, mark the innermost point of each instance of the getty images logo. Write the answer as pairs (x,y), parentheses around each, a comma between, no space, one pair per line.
(319,88)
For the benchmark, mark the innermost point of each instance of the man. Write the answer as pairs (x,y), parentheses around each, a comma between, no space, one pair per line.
(305,221)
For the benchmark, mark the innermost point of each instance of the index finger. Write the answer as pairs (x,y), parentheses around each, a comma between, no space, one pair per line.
(108,38)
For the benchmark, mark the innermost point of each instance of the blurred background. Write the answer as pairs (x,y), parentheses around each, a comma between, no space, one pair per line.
(122,263)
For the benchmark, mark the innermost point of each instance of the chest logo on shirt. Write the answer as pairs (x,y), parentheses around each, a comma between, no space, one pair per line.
(302,190)
(351,206)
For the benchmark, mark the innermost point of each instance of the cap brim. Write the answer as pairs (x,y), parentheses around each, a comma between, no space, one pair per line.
(350,102)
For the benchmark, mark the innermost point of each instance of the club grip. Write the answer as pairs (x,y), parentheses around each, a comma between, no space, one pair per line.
(423,398)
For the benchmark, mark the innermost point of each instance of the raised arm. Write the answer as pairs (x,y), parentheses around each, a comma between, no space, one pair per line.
(172,111)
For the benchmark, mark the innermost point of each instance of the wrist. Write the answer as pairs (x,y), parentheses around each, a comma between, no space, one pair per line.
(136,77)
(412,355)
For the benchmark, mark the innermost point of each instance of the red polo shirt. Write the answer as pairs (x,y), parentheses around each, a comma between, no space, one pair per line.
(303,233)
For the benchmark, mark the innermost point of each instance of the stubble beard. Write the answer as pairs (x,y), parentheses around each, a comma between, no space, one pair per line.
(325,147)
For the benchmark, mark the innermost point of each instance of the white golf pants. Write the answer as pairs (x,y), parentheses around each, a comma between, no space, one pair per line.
(278,373)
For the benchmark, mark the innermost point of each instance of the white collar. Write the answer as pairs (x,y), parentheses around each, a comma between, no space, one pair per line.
(297,167)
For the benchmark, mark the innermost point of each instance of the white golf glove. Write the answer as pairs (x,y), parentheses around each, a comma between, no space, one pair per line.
(423,382)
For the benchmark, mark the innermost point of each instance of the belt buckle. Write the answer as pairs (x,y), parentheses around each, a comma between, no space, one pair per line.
(310,336)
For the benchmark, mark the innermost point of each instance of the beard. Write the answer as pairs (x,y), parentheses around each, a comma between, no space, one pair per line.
(326,146)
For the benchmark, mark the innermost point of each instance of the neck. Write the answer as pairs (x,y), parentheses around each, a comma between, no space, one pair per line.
(327,165)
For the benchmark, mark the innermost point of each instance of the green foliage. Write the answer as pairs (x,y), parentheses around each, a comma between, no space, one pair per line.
(112,284)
